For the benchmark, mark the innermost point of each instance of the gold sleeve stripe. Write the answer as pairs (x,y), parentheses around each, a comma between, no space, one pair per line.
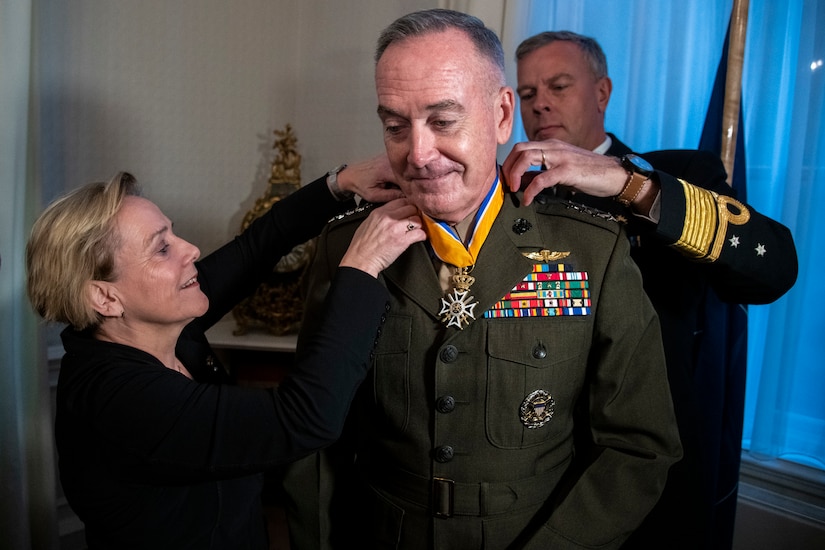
(700,222)
(707,216)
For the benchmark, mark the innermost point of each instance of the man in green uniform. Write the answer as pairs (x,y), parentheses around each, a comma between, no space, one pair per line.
(519,396)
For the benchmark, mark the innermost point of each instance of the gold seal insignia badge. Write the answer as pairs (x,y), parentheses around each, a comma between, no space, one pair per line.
(537,409)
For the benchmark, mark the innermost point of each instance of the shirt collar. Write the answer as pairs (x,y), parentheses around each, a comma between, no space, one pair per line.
(602,149)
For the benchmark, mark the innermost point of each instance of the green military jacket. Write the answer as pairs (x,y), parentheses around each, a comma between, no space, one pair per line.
(523,431)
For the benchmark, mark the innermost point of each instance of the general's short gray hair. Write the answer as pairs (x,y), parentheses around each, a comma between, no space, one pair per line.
(437,20)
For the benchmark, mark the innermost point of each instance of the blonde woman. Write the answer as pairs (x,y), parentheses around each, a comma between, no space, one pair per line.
(155,449)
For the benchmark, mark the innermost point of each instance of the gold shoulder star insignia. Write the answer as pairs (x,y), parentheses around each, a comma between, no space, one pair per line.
(546,255)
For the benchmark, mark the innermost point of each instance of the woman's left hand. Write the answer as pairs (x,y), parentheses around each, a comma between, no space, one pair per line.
(387,232)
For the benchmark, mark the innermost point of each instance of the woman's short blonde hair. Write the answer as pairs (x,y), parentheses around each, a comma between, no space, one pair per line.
(72,243)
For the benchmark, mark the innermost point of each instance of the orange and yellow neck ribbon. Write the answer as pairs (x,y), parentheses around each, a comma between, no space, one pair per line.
(446,242)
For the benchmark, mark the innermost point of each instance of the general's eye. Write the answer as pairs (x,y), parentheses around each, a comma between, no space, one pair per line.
(527,95)
(394,129)
(443,124)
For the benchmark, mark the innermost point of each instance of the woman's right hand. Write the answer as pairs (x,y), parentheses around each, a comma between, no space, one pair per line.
(383,236)
(371,179)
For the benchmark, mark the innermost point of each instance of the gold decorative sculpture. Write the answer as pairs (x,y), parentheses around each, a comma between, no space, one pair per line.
(277,304)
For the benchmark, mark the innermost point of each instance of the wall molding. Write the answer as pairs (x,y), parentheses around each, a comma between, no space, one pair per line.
(783,486)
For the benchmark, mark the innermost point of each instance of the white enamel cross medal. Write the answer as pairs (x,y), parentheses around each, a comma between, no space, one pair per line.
(457,307)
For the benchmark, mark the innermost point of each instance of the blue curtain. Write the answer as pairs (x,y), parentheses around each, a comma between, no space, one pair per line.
(663,58)
(784,92)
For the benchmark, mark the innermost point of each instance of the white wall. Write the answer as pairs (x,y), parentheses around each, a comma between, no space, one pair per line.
(185,94)
(336,106)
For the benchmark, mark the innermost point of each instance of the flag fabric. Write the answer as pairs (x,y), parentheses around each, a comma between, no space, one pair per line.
(722,360)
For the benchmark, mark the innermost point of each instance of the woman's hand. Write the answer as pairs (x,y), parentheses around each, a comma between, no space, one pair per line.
(371,179)
(383,236)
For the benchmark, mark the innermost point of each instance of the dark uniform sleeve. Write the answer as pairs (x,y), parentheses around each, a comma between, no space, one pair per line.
(234,271)
(186,430)
(751,259)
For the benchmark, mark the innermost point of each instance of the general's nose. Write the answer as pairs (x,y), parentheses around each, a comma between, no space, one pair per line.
(423,148)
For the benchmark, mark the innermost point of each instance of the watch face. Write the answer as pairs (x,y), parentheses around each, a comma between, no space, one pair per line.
(638,164)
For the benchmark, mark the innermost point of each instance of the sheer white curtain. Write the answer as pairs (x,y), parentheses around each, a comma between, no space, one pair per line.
(662,57)
(27,481)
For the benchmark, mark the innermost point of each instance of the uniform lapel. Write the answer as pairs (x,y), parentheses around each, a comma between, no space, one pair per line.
(617,148)
(413,273)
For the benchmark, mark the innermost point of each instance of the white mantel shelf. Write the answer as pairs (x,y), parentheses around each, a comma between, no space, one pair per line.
(221,336)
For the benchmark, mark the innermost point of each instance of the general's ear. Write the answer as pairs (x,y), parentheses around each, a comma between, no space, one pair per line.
(103,298)
(506,113)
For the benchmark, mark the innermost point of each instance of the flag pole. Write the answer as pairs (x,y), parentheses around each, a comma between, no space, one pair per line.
(733,84)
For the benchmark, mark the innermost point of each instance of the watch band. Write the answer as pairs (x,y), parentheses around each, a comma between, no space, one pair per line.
(632,188)
(332,183)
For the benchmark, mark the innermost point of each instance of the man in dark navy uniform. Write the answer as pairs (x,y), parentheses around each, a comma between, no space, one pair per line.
(698,248)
